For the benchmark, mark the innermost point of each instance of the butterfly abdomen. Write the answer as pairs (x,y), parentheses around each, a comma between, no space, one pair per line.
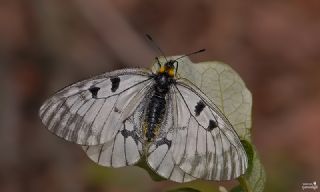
(157,106)
(155,112)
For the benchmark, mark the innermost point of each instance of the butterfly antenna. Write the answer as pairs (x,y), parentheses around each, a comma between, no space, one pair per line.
(201,50)
(176,60)
(156,46)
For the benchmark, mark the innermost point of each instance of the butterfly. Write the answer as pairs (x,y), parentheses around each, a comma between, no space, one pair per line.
(123,116)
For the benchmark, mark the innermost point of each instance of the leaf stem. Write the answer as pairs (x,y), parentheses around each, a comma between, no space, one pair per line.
(244,184)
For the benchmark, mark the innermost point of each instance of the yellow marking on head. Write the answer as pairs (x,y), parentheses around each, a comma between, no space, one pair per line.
(171,72)
(162,69)
(168,70)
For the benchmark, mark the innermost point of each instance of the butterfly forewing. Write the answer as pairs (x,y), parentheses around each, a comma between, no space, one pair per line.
(205,144)
(91,112)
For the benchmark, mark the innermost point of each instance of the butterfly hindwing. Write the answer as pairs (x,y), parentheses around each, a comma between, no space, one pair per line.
(91,112)
(125,149)
(205,144)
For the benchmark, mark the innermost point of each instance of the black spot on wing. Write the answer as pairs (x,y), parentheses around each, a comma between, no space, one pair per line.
(199,107)
(164,141)
(212,125)
(126,133)
(115,83)
(94,91)
(116,110)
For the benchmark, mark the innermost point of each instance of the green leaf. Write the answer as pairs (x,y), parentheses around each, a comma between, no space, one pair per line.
(255,177)
(237,189)
(186,189)
(144,165)
(228,91)
(250,153)
(194,186)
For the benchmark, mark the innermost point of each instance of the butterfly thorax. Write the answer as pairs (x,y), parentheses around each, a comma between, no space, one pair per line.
(157,105)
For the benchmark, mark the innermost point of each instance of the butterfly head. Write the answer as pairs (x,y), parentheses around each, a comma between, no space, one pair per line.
(168,68)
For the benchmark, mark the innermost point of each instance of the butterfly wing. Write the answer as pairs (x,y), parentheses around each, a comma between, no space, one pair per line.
(205,144)
(91,112)
(126,147)
(159,156)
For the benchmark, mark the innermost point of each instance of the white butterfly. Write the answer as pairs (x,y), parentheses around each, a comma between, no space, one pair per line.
(125,115)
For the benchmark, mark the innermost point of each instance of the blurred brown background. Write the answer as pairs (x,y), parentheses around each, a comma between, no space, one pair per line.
(45,45)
